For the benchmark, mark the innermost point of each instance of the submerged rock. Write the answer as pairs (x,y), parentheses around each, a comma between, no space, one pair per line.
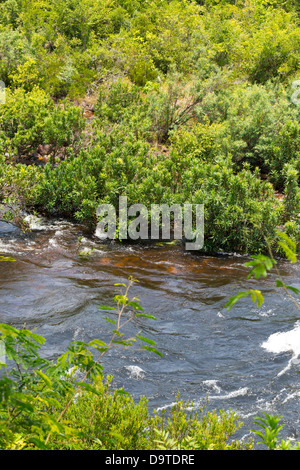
(6,227)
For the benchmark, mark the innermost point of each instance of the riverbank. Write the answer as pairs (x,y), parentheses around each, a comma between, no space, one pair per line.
(204,123)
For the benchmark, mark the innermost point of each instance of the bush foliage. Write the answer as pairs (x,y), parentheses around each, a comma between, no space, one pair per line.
(191,102)
(162,101)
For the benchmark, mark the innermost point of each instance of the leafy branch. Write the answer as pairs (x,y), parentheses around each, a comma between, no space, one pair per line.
(261,265)
(122,300)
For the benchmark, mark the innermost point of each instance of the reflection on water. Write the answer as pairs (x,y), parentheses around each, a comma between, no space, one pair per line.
(245,359)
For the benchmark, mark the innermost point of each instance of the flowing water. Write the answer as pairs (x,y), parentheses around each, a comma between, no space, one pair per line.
(245,359)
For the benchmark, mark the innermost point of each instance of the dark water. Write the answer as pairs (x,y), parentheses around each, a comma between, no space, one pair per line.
(229,356)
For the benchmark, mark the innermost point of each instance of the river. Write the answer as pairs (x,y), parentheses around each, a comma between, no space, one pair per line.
(245,359)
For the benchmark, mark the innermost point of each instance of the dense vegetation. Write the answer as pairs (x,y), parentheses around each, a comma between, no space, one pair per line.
(162,101)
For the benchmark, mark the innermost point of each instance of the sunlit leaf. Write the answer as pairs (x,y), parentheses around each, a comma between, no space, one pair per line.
(145,315)
(103,307)
(149,348)
(146,340)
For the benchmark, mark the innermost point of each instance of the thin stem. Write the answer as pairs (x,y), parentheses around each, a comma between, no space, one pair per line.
(280,277)
(119,326)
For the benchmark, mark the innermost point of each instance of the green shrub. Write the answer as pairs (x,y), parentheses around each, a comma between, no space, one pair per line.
(18,185)
(116,101)
(109,420)
(292,192)
(30,119)
(14,50)
(259,126)
(195,429)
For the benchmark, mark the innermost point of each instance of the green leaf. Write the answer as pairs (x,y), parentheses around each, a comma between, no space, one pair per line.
(135,305)
(88,387)
(288,253)
(123,342)
(23,405)
(146,316)
(121,391)
(149,348)
(256,297)
(103,307)
(63,359)
(288,246)
(121,299)
(146,340)
(292,288)
(260,265)
(97,342)
(109,320)
(8,330)
(39,339)
(38,443)
(233,300)
(44,377)
(7,258)
(288,240)
(116,332)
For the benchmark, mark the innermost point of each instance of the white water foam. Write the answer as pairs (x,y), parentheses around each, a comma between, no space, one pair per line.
(43,224)
(165,407)
(136,372)
(53,242)
(6,246)
(196,405)
(35,223)
(213,385)
(235,393)
(12,247)
(287,341)
(292,396)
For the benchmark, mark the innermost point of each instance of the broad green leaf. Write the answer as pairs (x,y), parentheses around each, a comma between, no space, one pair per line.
(121,299)
(121,391)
